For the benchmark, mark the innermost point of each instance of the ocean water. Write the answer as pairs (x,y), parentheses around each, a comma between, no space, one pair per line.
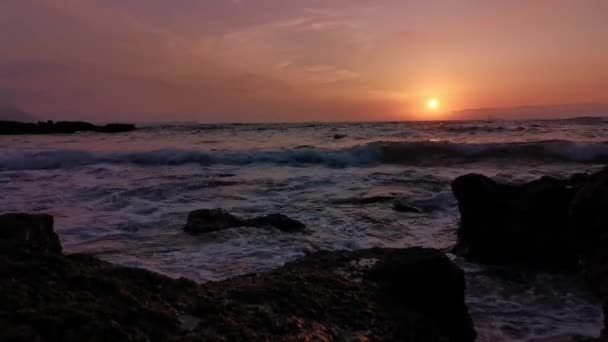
(125,198)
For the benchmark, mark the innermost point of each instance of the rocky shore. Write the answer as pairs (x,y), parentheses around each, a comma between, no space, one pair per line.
(60,127)
(548,224)
(413,294)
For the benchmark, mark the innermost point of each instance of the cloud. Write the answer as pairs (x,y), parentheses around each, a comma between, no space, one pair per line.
(293,60)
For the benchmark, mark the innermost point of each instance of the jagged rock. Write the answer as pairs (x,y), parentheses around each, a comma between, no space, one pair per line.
(413,294)
(506,223)
(588,210)
(211,220)
(544,223)
(64,127)
(589,215)
(29,231)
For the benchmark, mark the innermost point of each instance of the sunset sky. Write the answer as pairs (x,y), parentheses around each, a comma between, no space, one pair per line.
(301,60)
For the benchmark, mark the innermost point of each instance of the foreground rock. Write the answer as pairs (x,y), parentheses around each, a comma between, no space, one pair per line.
(547,223)
(31,232)
(65,127)
(212,220)
(410,294)
(504,223)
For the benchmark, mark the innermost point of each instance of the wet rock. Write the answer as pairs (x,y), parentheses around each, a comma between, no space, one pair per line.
(413,294)
(63,127)
(211,220)
(589,215)
(29,231)
(547,223)
(505,223)
(588,210)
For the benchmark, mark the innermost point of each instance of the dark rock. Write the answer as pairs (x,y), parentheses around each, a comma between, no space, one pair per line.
(339,136)
(545,223)
(588,210)
(29,231)
(63,127)
(433,272)
(278,221)
(410,294)
(589,215)
(527,224)
(211,220)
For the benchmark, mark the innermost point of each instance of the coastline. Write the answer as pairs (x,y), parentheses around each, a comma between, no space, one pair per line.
(363,295)
(371,294)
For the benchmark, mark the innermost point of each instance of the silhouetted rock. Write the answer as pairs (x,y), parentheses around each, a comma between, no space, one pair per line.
(545,223)
(507,223)
(211,220)
(589,215)
(60,127)
(413,294)
(30,231)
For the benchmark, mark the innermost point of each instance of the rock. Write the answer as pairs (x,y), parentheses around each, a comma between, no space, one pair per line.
(339,136)
(439,285)
(211,220)
(63,127)
(29,231)
(413,294)
(278,221)
(547,223)
(590,218)
(588,210)
(516,224)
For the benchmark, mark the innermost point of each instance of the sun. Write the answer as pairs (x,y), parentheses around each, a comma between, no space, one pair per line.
(433,104)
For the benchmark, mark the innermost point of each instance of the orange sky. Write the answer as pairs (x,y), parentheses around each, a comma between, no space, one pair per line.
(283,60)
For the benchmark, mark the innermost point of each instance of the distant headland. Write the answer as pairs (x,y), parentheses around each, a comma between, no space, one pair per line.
(60,127)
(16,121)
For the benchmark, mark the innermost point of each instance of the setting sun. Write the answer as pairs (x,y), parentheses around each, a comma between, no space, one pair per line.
(433,104)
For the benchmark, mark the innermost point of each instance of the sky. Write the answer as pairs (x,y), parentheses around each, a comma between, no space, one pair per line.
(302,60)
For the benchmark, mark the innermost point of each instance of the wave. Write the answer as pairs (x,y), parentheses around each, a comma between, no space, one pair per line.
(407,153)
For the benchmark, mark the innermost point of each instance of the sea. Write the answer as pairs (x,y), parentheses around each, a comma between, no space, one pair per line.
(125,198)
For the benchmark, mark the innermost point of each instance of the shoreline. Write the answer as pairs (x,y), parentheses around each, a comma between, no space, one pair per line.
(544,225)
(364,295)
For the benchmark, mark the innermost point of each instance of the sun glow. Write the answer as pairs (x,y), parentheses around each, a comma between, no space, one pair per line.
(432,104)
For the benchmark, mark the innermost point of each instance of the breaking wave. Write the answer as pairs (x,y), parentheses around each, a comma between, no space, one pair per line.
(407,153)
